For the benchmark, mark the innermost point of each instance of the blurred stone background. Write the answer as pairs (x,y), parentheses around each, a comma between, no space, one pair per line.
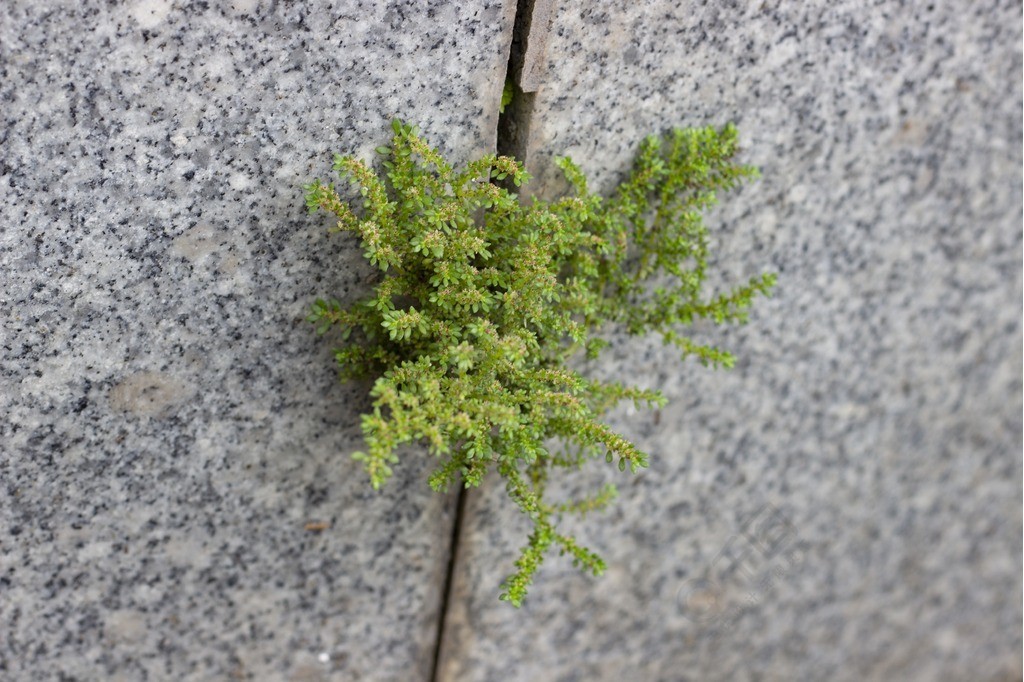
(876,404)
(844,504)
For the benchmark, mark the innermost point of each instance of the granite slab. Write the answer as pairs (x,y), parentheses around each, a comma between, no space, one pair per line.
(846,503)
(177,500)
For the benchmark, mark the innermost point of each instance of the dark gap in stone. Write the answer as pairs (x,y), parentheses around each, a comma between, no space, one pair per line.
(460,510)
(514,122)
(512,138)
(514,126)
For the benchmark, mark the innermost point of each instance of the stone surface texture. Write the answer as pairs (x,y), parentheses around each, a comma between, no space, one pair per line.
(169,425)
(846,503)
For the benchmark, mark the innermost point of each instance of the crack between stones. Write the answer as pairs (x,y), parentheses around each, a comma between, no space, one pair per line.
(525,66)
(460,510)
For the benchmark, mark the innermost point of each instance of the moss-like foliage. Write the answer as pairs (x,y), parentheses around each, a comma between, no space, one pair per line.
(507,94)
(483,299)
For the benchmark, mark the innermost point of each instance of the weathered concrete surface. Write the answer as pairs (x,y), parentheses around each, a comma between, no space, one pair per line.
(877,403)
(168,424)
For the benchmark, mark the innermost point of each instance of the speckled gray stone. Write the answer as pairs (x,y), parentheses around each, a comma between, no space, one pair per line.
(168,422)
(846,503)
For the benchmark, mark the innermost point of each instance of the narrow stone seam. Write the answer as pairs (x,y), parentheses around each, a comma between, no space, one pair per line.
(449,579)
(511,140)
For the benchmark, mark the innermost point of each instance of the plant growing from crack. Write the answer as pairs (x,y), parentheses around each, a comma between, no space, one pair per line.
(483,300)
(508,93)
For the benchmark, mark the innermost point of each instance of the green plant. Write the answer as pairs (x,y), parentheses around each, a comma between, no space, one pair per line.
(483,300)
(508,93)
